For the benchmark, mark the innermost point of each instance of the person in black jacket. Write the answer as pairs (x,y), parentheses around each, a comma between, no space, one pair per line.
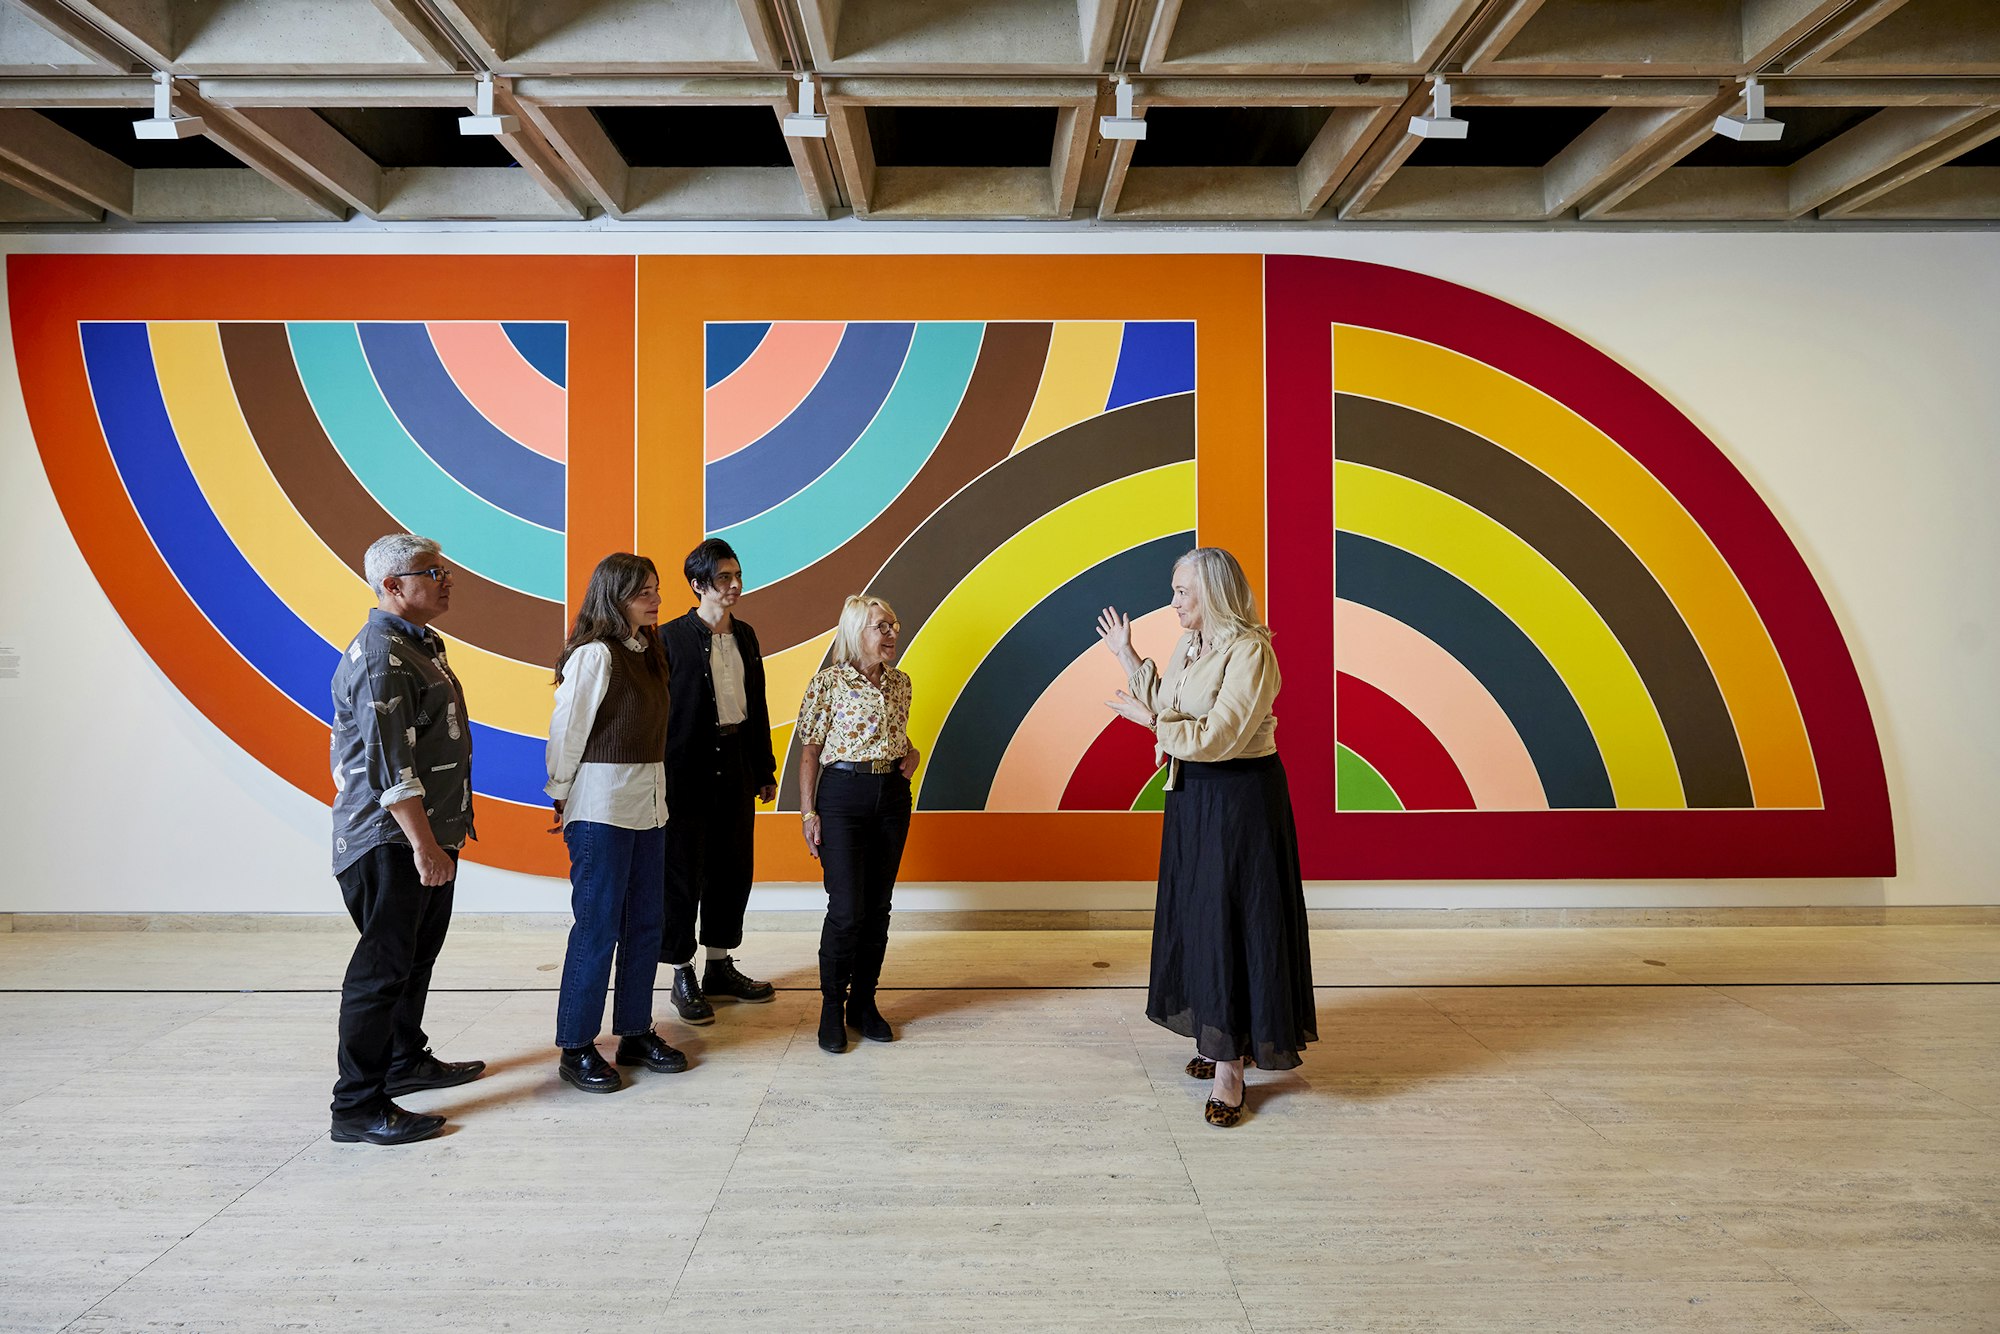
(719,765)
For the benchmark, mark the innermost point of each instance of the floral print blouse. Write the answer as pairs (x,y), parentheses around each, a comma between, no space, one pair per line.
(854,720)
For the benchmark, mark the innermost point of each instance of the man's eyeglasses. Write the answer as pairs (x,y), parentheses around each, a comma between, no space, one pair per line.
(437,574)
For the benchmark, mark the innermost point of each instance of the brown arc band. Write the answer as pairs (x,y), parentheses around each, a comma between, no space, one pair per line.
(1010,496)
(1616,583)
(339,509)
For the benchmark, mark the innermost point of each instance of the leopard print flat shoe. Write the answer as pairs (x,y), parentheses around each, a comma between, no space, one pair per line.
(1220,1113)
(1201,1068)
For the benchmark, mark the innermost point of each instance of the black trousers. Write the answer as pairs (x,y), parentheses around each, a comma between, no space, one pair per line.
(864,820)
(711,849)
(402,926)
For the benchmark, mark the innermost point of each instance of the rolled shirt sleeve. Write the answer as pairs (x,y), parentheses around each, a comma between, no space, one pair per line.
(586,680)
(1242,703)
(816,710)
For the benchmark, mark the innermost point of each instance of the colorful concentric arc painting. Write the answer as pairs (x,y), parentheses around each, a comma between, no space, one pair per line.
(996,483)
(1532,622)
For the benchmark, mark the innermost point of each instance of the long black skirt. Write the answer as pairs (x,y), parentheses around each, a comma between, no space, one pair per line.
(1232,966)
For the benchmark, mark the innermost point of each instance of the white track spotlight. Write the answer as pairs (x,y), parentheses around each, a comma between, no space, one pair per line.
(1438,122)
(1753,126)
(482,120)
(1124,125)
(808,122)
(165,122)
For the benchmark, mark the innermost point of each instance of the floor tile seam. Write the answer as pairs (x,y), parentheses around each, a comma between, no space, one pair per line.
(191,1232)
(1180,1156)
(749,1128)
(1835,1045)
(11,1108)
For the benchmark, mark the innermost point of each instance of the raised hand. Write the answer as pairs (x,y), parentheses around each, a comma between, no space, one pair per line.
(1115,629)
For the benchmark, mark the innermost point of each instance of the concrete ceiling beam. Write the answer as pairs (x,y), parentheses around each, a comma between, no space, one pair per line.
(64,92)
(1666,151)
(416,27)
(145,28)
(1841,29)
(42,148)
(537,157)
(593,159)
(22,205)
(66,204)
(423,91)
(1618,143)
(225,126)
(651,90)
(1856,201)
(319,152)
(1874,148)
(91,41)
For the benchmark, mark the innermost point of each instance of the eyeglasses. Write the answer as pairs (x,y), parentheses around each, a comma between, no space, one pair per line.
(886,627)
(436,573)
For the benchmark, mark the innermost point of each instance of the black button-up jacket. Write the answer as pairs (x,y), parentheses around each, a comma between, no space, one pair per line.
(692,740)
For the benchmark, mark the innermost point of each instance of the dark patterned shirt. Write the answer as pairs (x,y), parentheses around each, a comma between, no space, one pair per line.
(399,731)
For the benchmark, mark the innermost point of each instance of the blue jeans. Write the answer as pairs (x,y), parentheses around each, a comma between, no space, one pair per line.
(616,878)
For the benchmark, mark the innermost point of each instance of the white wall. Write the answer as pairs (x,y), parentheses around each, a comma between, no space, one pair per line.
(1855,379)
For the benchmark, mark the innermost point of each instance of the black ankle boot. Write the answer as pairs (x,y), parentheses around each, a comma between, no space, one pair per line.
(832,1033)
(833,975)
(864,1018)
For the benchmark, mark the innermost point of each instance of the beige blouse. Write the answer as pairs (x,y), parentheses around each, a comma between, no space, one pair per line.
(1217,707)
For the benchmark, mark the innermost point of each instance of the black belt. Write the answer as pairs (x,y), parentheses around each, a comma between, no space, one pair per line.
(728,729)
(865,766)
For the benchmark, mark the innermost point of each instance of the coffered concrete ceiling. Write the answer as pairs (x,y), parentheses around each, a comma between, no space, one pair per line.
(1593,112)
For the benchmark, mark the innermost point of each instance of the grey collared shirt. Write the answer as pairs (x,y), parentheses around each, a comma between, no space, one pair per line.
(399,730)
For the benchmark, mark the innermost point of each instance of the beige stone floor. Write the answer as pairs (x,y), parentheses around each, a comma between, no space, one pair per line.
(1721,1129)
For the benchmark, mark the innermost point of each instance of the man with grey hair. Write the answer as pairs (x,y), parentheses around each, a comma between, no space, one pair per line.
(402,774)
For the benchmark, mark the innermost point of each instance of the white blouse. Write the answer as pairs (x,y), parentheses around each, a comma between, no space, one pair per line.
(629,796)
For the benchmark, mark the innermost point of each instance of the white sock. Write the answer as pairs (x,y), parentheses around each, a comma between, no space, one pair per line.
(714,953)
(688,964)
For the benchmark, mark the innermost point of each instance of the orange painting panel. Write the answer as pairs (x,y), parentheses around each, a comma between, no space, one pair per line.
(679,295)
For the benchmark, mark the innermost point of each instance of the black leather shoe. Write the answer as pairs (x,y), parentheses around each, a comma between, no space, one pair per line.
(390,1125)
(428,1072)
(721,977)
(586,1068)
(651,1050)
(832,1033)
(692,1006)
(865,1019)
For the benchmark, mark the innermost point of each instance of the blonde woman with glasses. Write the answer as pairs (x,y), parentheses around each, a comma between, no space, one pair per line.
(855,764)
(1232,968)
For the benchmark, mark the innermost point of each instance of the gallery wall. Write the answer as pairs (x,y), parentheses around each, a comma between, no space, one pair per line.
(1840,380)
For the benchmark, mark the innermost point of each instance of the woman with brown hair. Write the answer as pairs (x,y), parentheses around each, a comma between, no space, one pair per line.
(1232,966)
(607,780)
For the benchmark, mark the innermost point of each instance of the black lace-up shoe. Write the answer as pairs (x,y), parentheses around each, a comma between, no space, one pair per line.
(389,1125)
(651,1050)
(721,977)
(428,1072)
(692,1006)
(585,1068)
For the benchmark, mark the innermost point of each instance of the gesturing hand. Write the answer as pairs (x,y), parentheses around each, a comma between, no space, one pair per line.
(1127,707)
(1115,629)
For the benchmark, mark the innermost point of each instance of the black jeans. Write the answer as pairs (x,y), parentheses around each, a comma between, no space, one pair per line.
(711,837)
(864,820)
(402,926)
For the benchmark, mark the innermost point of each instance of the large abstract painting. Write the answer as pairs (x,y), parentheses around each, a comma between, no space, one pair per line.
(1532,622)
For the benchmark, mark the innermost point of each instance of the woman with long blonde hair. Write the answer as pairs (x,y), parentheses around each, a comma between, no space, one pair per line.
(1232,966)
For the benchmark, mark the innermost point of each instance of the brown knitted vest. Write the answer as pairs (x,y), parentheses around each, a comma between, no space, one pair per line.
(631,723)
